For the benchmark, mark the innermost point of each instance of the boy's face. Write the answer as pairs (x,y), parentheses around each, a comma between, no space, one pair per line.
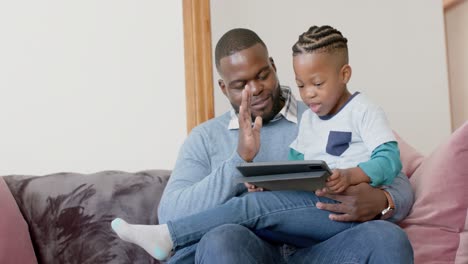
(321,78)
(252,67)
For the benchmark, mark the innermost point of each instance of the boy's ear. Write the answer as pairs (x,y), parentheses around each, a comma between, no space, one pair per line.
(222,85)
(346,72)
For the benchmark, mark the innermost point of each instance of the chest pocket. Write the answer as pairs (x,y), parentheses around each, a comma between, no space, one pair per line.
(338,142)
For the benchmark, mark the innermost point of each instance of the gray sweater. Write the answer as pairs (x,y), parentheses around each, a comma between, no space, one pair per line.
(205,173)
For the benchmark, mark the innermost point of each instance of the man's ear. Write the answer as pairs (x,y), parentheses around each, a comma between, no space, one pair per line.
(222,85)
(345,73)
(273,63)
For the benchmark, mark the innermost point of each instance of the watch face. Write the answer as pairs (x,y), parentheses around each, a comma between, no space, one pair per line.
(386,210)
(386,213)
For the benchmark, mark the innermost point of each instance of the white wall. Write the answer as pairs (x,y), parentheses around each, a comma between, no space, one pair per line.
(90,85)
(456,23)
(397,52)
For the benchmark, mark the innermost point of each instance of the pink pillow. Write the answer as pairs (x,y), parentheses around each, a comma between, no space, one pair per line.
(410,158)
(15,243)
(437,223)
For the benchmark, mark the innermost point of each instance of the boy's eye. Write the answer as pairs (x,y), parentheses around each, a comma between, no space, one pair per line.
(318,84)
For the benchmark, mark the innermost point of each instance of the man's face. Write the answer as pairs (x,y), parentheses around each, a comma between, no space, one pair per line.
(253,68)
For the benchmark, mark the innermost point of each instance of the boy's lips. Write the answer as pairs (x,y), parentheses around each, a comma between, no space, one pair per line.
(315,107)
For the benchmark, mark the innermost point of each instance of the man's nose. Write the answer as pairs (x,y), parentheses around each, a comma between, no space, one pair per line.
(255,87)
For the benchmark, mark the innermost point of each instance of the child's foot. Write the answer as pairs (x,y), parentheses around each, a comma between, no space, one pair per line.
(155,239)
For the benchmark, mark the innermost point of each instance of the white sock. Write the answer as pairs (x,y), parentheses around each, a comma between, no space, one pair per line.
(154,239)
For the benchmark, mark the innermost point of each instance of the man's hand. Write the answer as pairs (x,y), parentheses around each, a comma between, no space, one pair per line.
(249,137)
(359,203)
(252,188)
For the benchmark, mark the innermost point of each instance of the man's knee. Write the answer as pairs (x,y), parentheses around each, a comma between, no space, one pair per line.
(225,242)
(225,236)
(235,244)
(387,237)
(389,233)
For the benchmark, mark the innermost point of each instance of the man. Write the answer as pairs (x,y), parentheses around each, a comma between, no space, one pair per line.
(205,174)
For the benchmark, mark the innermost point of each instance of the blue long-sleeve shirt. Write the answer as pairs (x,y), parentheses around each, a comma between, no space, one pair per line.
(205,173)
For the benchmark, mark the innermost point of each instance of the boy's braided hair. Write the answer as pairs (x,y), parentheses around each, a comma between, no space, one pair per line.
(320,39)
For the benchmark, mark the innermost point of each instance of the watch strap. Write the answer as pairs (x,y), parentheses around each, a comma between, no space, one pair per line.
(388,211)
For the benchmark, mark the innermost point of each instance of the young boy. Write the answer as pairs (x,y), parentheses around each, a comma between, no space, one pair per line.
(340,128)
(347,131)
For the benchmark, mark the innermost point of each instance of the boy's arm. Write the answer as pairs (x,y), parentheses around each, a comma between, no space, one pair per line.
(384,164)
(295,155)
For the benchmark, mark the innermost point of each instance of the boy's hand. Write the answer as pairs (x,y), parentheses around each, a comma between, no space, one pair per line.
(252,188)
(338,181)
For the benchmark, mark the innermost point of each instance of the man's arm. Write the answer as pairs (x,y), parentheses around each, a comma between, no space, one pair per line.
(402,196)
(193,186)
(363,202)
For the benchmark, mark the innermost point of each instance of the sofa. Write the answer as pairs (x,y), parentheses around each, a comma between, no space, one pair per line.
(65,217)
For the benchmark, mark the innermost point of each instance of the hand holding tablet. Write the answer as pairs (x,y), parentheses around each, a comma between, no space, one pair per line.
(304,175)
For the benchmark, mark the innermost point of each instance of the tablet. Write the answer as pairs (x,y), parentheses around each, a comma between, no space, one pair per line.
(303,175)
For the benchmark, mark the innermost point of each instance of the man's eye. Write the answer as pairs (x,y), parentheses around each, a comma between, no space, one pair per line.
(263,77)
(238,86)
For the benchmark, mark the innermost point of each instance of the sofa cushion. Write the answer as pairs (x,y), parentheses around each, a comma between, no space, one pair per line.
(436,225)
(410,157)
(69,214)
(15,243)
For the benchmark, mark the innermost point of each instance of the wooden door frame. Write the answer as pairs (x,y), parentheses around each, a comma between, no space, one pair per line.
(451,3)
(198,62)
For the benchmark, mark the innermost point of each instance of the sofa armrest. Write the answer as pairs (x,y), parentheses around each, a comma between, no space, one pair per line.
(69,214)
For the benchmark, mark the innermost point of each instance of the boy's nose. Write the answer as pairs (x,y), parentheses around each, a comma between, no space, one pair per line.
(310,92)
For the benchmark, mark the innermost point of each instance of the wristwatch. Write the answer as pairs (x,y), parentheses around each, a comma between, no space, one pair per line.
(387,212)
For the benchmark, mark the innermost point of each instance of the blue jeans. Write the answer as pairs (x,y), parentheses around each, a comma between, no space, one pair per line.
(370,242)
(289,213)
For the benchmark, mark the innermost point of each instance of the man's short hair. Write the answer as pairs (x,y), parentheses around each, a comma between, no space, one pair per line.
(233,41)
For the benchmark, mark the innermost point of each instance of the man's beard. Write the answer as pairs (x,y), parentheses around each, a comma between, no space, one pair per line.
(276,108)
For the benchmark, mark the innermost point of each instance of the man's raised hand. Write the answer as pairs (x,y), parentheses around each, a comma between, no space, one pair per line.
(249,136)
